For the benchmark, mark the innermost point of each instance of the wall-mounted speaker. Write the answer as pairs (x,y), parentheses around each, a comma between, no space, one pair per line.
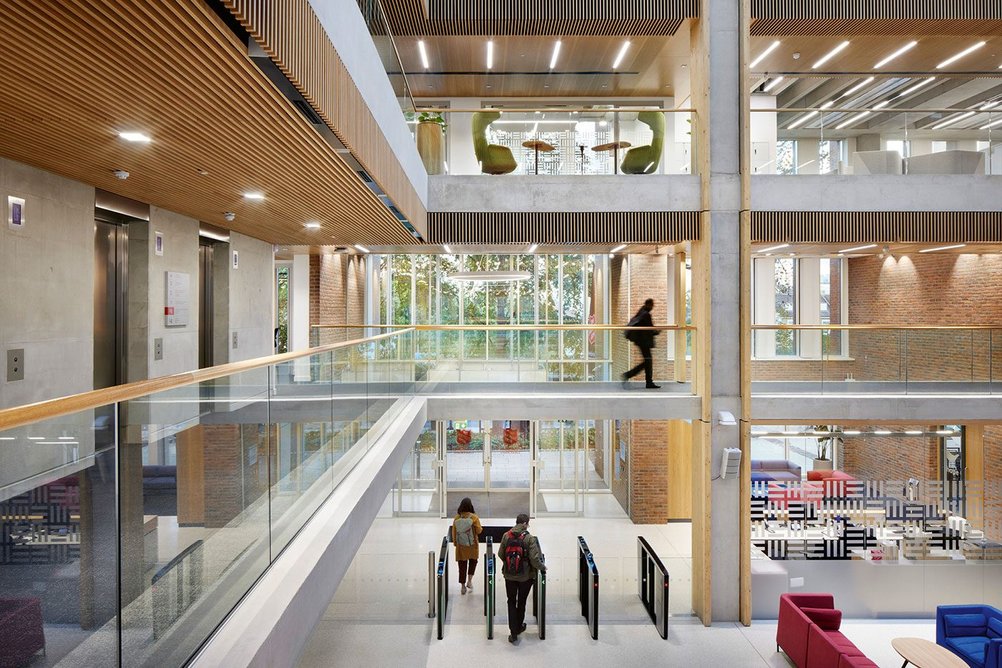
(730,463)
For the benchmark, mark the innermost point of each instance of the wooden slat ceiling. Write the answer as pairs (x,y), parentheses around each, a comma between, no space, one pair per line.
(78,72)
(653,66)
(843,26)
(528,227)
(534,17)
(895,248)
(862,227)
(868,17)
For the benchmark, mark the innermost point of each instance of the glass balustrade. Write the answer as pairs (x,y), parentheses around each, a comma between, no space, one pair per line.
(863,140)
(130,530)
(860,359)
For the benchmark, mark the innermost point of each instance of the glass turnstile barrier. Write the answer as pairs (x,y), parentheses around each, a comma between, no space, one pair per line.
(588,586)
(490,601)
(442,586)
(539,601)
(652,583)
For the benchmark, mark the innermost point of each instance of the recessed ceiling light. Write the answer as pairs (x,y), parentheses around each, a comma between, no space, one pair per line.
(953,120)
(905,48)
(831,54)
(203,172)
(137,137)
(622,54)
(254,195)
(362,248)
(968,50)
(862,114)
(618,248)
(857,87)
(424,54)
(490,54)
(772,84)
(312,226)
(857,248)
(556,53)
(941,248)
(772,47)
(803,119)
(773,248)
(990,105)
(915,87)
(944,432)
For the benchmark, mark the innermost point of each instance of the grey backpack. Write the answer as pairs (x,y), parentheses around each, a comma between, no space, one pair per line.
(464,532)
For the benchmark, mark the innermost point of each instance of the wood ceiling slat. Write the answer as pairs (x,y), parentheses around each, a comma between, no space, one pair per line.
(85,69)
(877,9)
(528,227)
(290,32)
(877,226)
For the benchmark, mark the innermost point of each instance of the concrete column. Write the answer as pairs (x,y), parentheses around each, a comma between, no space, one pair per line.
(299,314)
(722,121)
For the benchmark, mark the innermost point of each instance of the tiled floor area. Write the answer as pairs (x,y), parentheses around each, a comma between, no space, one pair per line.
(379,615)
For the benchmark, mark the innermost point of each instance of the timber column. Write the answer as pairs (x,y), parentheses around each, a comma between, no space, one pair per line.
(720,99)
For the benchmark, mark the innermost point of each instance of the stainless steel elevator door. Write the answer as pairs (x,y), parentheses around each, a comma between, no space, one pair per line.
(205,306)
(110,243)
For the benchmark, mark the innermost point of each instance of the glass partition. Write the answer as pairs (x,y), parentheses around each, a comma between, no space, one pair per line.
(130,531)
(879,359)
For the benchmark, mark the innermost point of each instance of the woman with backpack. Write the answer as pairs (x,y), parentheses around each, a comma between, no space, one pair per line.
(466,532)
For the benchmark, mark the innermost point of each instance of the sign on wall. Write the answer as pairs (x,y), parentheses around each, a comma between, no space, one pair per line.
(178,302)
(15,212)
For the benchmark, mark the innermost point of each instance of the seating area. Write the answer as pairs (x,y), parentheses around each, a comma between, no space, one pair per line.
(774,469)
(972,632)
(808,632)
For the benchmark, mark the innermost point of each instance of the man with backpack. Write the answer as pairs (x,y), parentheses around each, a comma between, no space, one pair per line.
(644,340)
(520,560)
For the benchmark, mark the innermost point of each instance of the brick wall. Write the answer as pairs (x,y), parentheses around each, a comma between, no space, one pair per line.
(337,294)
(870,457)
(993,482)
(621,468)
(236,470)
(649,472)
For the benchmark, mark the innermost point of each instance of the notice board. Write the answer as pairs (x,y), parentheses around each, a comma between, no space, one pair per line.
(178,304)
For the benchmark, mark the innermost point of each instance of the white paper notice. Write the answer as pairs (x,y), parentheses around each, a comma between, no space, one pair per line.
(178,299)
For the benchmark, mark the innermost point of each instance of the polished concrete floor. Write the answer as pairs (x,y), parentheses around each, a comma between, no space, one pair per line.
(379,615)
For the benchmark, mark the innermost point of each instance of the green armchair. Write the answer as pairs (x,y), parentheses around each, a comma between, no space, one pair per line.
(494,159)
(645,159)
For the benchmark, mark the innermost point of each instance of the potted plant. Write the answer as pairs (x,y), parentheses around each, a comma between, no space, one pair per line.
(828,437)
(431,140)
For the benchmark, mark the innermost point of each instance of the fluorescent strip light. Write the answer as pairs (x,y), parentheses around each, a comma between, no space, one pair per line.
(446,248)
(967,51)
(940,248)
(857,87)
(424,54)
(953,120)
(915,87)
(882,432)
(773,248)
(851,432)
(490,54)
(945,432)
(914,432)
(990,105)
(254,195)
(618,248)
(772,47)
(775,82)
(791,433)
(857,248)
(861,115)
(621,55)
(991,125)
(803,119)
(556,53)
(137,137)
(831,54)
(362,248)
(906,47)
(533,247)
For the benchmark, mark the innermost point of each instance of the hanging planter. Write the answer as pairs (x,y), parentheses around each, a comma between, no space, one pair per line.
(431,142)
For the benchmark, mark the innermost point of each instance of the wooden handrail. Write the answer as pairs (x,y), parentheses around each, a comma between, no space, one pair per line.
(550,110)
(875,327)
(513,328)
(53,408)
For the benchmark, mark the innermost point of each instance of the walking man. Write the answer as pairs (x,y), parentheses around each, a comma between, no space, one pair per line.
(520,560)
(644,340)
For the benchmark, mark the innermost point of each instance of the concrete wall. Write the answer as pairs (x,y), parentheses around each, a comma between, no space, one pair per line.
(47,292)
(243,299)
(651,192)
(876,192)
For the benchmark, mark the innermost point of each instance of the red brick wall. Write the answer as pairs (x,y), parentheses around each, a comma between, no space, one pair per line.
(236,470)
(993,482)
(337,294)
(649,472)
(870,457)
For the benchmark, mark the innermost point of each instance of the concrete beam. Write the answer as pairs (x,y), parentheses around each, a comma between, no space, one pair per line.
(829,408)
(876,192)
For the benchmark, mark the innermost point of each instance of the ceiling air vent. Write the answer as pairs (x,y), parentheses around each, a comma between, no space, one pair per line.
(365,177)
(307,110)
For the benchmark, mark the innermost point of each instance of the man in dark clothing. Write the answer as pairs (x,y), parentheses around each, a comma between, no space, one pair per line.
(519,569)
(644,340)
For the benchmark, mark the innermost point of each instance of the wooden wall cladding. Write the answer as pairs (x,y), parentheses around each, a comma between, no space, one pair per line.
(78,72)
(536,17)
(877,226)
(613,227)
(876,17)
(291,34)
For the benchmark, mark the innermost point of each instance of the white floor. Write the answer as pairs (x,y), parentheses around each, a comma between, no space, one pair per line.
(379,615)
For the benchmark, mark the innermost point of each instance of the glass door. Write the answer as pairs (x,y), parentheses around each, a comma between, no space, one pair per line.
(489,462)
(559,467)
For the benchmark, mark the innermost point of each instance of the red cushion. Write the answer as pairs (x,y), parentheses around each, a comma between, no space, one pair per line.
(826,618)
(838,475)
(816,475)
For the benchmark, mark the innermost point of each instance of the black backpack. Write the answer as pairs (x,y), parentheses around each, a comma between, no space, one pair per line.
(632,334)
(516,554)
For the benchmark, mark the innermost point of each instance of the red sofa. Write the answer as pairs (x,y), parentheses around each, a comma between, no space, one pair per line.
(808,632)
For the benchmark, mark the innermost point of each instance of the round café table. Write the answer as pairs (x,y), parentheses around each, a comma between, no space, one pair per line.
(538,145)
(614,147)
(926,654)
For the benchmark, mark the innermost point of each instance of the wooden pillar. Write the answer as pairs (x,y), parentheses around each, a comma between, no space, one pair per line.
(679,316)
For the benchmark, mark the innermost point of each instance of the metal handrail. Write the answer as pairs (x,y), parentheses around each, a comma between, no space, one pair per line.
(20,416)
(876,327)
(553,110)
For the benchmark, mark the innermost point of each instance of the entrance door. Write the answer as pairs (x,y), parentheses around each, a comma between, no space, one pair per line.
(489,462)
(559,466)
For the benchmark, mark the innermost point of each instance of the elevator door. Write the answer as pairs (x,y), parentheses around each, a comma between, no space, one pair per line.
(205,306)
(110,277)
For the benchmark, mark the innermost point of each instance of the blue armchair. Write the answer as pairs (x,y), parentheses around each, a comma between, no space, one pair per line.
(972,632)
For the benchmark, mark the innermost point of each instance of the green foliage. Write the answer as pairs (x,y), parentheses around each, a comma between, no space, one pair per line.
(427,117)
